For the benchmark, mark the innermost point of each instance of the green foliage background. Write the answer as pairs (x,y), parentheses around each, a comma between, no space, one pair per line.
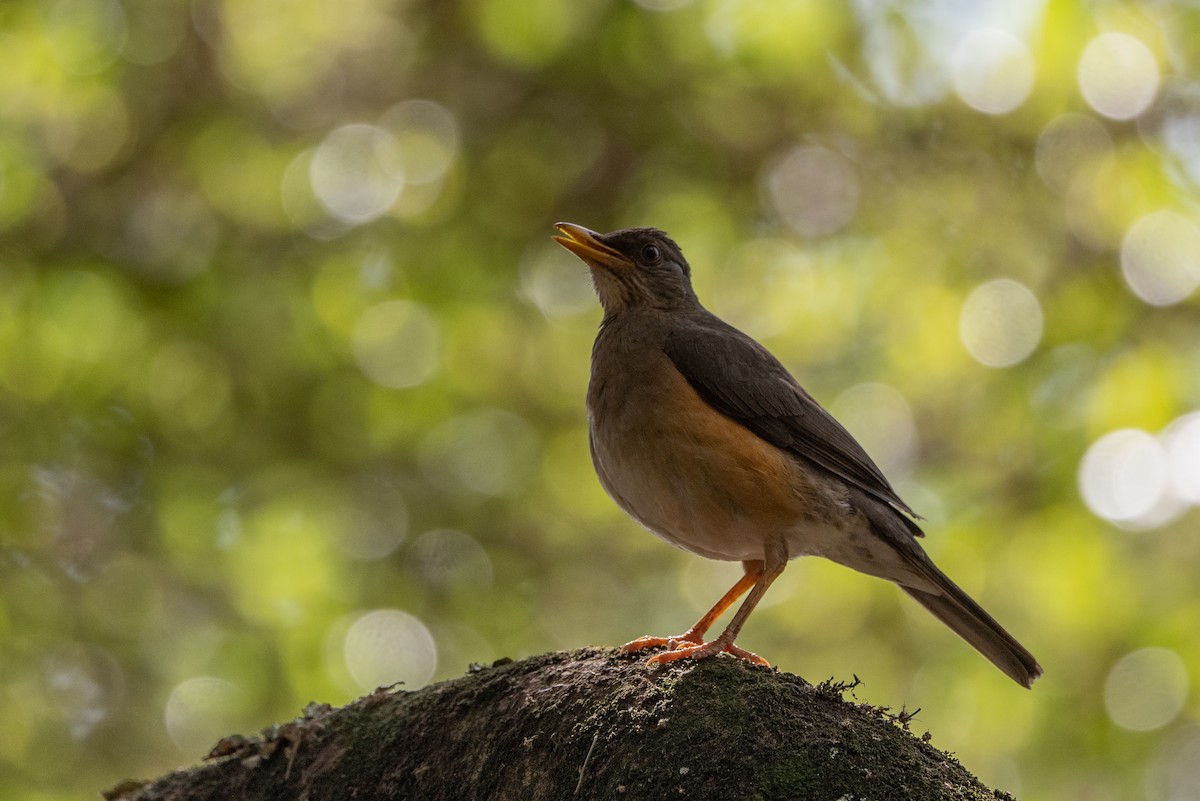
(232,424)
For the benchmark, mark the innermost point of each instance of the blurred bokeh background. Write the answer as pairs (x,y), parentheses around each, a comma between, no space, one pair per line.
(292,376)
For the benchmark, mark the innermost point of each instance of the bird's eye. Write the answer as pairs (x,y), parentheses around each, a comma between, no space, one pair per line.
(651,253)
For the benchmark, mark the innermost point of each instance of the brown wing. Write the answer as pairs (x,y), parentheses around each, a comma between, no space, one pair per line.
(742,380)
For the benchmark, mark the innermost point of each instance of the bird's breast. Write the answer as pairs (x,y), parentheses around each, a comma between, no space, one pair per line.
(694,476)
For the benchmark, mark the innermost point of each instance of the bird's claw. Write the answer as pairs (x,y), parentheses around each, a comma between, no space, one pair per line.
(671,643)
(688,646)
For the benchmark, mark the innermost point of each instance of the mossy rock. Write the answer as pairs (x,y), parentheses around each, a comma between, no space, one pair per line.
(587,724)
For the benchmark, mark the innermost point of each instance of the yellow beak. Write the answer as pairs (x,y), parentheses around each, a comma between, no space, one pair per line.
(586,244)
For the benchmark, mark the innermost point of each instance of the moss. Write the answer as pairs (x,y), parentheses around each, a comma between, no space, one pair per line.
(587,724)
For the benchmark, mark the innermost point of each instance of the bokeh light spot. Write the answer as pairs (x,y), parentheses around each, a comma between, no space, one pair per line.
(881,420)
(89,139)
(388,646)
(396,343)
(530,33)
(1118,75)
(188,385)
(281,555)
(1123,478)
(170,235)
(155,31)
(448,558)
(288,51)
(555,282)
(1182,441)
(1067,145)
(1145,690)
(992,71)
(1001,323)
(239,171)
(201,710)
(814,190)
(491,452)
(86,35)
(365,536)
(426,138)
(356,172)
(1160,258)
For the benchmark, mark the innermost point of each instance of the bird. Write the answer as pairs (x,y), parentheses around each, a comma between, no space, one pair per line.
(703,437)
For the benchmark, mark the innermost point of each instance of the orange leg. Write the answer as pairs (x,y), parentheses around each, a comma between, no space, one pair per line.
(758,577)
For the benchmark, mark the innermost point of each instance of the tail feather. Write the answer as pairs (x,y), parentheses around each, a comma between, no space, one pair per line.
(938,593)
(969,620)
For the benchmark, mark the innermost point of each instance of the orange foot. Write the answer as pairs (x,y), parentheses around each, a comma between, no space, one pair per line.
(689,646)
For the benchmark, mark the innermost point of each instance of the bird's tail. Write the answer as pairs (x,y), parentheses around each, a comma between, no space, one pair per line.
(909,564)
(969,620)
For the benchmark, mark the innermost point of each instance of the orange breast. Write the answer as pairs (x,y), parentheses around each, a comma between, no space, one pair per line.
(694,476)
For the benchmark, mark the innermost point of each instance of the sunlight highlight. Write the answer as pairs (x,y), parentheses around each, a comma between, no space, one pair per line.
(1145,690)
(1118,75)
(388,646)
(1001,323)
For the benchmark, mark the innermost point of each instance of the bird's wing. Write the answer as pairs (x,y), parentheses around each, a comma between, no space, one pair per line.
(741,379)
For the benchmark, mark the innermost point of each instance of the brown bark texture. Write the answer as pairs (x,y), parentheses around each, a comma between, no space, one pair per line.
(589,724)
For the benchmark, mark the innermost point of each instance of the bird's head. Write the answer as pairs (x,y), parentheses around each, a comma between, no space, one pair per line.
(632,267)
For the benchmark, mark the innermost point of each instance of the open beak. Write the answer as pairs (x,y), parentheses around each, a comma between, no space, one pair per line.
(586,245)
